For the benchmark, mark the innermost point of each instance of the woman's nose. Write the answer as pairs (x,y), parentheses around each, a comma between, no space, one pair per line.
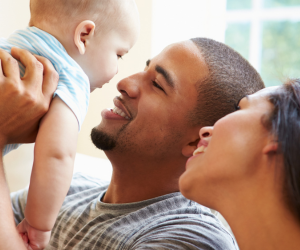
(206,132)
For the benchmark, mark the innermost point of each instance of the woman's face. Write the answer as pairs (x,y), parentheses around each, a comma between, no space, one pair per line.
(229,154)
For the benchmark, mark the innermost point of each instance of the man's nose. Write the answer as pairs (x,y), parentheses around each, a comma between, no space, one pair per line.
(206,132)
(129,86)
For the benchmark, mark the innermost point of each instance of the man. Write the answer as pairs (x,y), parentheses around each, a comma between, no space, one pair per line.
(148,137)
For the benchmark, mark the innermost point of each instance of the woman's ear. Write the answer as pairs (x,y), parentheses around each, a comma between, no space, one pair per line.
(189,148)
(271,147)
(83,34)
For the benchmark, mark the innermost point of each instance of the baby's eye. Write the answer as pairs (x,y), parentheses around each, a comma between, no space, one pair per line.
(120,57)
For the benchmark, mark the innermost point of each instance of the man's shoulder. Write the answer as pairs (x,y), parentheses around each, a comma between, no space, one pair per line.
(167,222)
(176,216)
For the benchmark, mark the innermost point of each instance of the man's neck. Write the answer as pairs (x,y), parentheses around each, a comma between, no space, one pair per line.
(140,181)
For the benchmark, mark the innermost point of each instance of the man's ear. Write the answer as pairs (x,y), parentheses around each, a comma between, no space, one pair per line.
(83,34)
(271,147)
(189,148)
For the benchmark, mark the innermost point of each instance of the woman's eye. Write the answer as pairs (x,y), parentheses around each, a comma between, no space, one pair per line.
(157,86)
(236,107)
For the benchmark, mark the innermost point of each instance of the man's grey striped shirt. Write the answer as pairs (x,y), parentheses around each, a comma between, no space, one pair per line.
(167,222)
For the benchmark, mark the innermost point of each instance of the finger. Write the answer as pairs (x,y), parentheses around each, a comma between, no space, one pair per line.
(10,67)
(25,239)
(34,69)
(50,77)
(21,228)
(29,247)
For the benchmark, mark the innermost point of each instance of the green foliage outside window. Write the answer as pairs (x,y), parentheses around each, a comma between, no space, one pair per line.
(238,37)
(239,4)
(280,3)
(280,51)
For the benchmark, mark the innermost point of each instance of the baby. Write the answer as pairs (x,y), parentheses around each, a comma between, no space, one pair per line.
(84,40)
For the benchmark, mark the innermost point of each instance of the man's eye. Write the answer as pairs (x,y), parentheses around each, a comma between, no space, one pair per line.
(157,86)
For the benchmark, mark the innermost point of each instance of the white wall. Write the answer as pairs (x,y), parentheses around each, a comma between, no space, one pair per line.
(14,14)
(177,20)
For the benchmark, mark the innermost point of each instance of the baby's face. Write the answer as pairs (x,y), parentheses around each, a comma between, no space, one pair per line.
(107,48)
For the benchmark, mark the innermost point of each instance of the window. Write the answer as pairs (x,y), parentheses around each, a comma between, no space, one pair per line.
(267,33)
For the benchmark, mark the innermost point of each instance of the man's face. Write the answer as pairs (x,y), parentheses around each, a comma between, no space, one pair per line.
(150,116)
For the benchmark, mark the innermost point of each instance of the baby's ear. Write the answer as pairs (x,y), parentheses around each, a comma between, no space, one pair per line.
(84,32)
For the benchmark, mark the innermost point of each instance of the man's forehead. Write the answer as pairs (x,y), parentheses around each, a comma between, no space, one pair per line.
(185,55)
(184,59)
(187,47)
(183,67)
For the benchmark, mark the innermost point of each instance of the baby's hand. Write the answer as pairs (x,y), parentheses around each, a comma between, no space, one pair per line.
(34,239)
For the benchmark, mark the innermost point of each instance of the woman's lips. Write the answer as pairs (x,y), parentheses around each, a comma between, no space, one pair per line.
(201,148)
(202,142)
(189,159)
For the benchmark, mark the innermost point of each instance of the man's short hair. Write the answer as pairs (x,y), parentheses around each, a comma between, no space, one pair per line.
(62,13)
(230,78)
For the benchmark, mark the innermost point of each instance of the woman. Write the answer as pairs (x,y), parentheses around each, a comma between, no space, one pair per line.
(247,167)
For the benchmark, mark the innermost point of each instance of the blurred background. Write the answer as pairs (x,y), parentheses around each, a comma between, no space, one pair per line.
(266,32)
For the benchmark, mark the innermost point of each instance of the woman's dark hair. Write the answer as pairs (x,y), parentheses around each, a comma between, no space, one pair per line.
(285,125)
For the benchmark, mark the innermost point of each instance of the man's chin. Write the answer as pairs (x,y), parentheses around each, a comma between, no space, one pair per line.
(103,140)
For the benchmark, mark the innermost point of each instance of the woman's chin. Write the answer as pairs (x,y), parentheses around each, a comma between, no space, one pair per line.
(186,185)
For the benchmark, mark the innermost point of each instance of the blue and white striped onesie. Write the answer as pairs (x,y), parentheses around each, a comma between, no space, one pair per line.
(73,86)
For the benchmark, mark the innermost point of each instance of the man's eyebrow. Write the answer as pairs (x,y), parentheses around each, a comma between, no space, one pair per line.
(164,73)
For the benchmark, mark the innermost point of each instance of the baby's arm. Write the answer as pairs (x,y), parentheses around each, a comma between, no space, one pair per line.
(52,171)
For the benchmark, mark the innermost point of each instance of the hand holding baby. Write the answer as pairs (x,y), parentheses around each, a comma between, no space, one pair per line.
(24,101)
(33,238)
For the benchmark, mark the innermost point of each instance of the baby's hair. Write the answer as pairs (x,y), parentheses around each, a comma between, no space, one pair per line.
(64,13)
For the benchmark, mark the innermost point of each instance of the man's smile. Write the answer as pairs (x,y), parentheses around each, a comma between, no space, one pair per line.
(119,112)
(120,108)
